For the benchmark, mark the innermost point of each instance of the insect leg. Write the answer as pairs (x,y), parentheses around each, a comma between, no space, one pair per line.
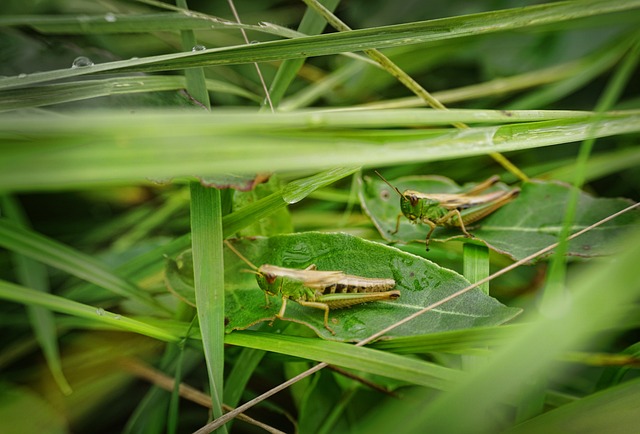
(462,228)
(432,225)
(397,224)
(322,306)
(280,314)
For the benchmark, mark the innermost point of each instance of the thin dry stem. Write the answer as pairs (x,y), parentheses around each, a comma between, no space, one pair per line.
(146,372)
(246,40)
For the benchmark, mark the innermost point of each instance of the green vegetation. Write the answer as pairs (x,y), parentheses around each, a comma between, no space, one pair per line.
(136,136)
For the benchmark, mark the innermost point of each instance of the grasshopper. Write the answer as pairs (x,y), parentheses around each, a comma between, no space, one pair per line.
(324,290)
(451,209)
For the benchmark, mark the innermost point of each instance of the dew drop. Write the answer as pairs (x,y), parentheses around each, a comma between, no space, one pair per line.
(22,75)
(198,48)
(100,311)
(254,42)
(81,62)
(134,58)
(117,317)
(110,17)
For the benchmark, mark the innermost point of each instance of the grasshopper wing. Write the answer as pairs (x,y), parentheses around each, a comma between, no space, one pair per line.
(463,201)
(308,277)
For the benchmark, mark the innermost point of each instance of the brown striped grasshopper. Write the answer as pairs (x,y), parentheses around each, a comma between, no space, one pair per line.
(451,209)
(324,290)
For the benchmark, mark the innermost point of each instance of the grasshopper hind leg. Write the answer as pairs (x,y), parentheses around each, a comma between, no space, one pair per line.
(461,221)
(322,306)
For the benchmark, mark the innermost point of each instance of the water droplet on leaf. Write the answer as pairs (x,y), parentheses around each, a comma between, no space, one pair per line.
(100,311)
(110,17)
(198,48)
(81,62)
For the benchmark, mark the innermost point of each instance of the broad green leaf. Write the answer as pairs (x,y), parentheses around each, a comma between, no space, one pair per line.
(518,229)
(420,282)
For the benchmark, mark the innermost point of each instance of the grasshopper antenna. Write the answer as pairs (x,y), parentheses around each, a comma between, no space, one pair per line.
(389,184)
(239,255)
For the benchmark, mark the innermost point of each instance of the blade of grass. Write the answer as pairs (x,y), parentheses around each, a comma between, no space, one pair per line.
(357,40)
(476,264)
(590,68)
(311,24)
(611,410)
(602,59)
(555,283)
(206,230)
(408,82)
(80,90)
(106,161)
(54,254)
(349,356)
(206,242)
(32,297)
(33,274)
(257,67)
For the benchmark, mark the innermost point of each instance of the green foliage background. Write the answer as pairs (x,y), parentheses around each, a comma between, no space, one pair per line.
(108,174)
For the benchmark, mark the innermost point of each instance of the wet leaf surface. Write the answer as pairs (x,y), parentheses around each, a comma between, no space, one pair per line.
(421,282)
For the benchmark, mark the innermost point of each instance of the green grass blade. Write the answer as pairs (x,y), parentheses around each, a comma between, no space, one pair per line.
(57,255)
(237,380)
(65,159)
(555,284)
(591,67)
(311,24)
(476,264)
(208,266)
(357,40)
(612,410)
(20,294)
(33,274)
(349,356)
(81,90)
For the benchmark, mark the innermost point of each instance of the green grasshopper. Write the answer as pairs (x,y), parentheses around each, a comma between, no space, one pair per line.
(324,290)
(451,209)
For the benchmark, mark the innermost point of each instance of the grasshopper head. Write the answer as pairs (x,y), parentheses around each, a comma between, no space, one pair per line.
(266,283)
(410,205)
